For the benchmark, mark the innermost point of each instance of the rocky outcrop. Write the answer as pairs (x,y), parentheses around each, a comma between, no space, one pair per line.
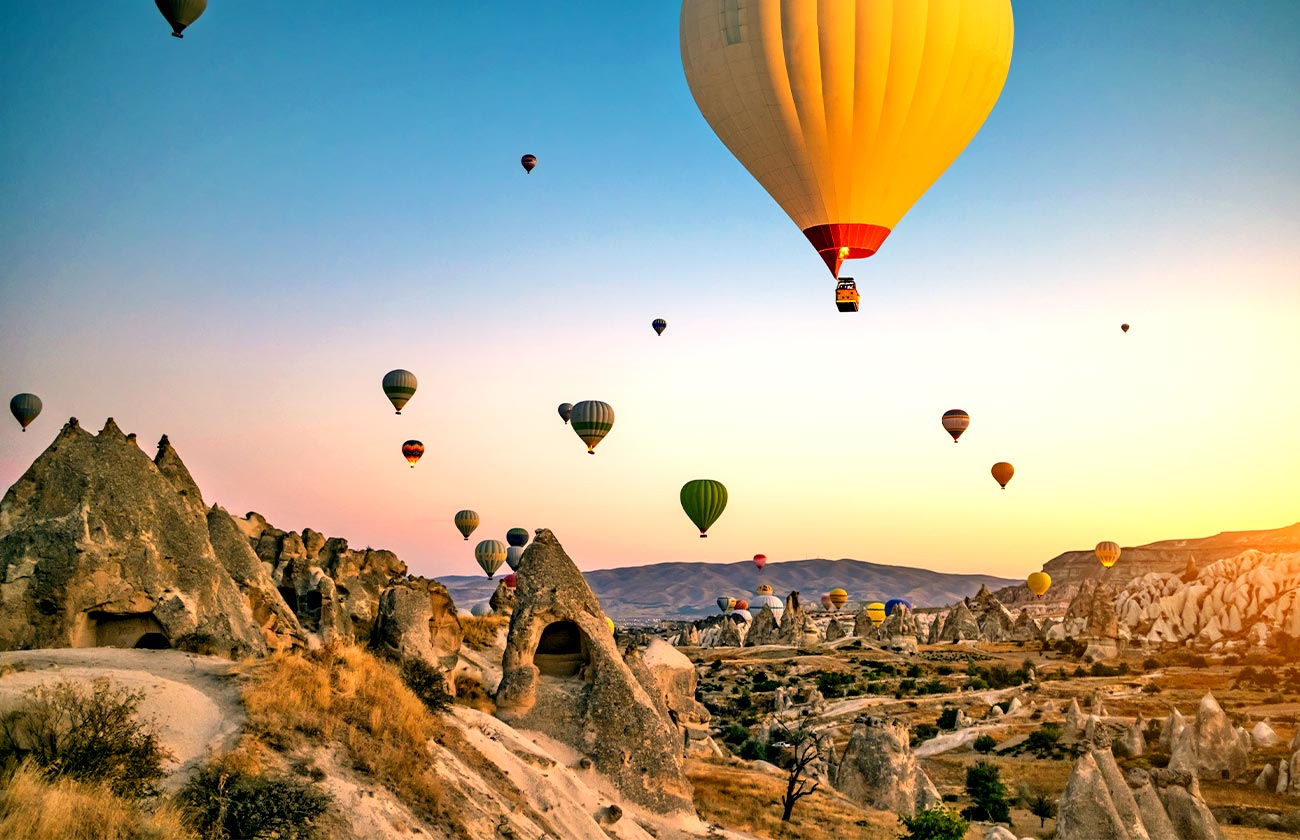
(900,630)
(562,675)
(835,631)
(763,630)
(960,625)
(1090,618)
(676,679)
(797,627)
(1210,747)
(418,619)
(878,769)
(502,601)
(1099,803)
(994,619)
(99,545)
(1025,629)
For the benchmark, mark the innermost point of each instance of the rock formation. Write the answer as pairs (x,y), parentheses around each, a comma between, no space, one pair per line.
(676,679)
(1210,747)
(763,631)
(834,631)
(502,601)
(1090,618)
(99,545)
(797,627)
(1026,629)
(899,631)
(562,675)
(879,771)
(417,618)
(994,619)
(960,625)
(1099,803)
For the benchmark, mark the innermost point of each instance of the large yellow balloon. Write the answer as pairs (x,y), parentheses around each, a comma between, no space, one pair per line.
(1107,553)
(846,111)
(1039,583)
(876,612)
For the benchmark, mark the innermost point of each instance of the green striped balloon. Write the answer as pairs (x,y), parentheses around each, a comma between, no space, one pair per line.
(25,408)
(466,522)
(181,13)
(399,387)
(592,420)
(704,500)
(490,554)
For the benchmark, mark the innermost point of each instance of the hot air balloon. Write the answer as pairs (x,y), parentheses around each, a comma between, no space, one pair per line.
(760,560)
(764,589)
(726,604)
(838,597)
(893,604)
(25,408)
(412,450)
(181,13)
(1124,327)
(876,612)
(565,410)
(591,421)
(466,522)
(1107,553)
(826,600)
(610,622)
(846,111)
(659,325)
(773,603)
(480,610)
(490,554)
(399,387)
(511,580)
(514,556)
(517,536)
(955,422)
(1002,472)
(1039,583)
(528,162)
(704,500)
(743,615)
(741,604)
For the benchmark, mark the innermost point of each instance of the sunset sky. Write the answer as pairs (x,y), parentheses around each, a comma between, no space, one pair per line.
(231,238)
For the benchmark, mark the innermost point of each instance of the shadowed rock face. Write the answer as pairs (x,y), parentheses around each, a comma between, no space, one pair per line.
(562,674)
(1091,618)
(879,771)
(764,630)
(1210,747)
(101,545)
(1099,803)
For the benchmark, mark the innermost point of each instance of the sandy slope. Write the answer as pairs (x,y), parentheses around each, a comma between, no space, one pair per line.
(193,700)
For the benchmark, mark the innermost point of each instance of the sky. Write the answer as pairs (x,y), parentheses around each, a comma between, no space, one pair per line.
(230,239)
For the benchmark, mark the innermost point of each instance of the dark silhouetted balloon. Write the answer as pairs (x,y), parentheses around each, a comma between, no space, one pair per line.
(529,162)
(25,408)
(181,13)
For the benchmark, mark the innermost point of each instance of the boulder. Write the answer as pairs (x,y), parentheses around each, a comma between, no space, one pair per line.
(1264,736)
(418,619)
(676,679)
(834,630)
(562,675)
(878,769)
(999,832)
(1267,778)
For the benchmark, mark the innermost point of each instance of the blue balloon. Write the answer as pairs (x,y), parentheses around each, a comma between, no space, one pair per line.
(894,602)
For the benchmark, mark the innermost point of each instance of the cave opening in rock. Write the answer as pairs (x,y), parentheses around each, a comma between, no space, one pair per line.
(153,641)
(123,630)
(290,596)
(562,650)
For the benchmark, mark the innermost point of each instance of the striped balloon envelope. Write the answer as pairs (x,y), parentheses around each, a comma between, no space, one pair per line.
(591,421)
(412,450)
(529,163)
(490,554)
(399,387)
(466,522)
(1108,553)
(839,598)
(181,13)
(659,325)
(955,422)
(25,408)
(876,612)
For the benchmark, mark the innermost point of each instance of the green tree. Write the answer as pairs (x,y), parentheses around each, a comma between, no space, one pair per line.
(1040,805)
(985,744)
(937,823)
(988,794)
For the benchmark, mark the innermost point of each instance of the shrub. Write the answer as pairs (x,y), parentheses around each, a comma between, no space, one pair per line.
(427,683)
(1151,688)
(1044,740)
(938,823)
(923,732)
(470,692)
(735,734)
(1152,664)
(90,734)
(225,802)
(33,807)
(985,744)
(752,750)
(482,632)
(947,718)
(988,794)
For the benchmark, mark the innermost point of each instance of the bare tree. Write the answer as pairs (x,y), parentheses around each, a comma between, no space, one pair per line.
(805,750)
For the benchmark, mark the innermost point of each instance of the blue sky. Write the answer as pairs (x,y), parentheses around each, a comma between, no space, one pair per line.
(221,237)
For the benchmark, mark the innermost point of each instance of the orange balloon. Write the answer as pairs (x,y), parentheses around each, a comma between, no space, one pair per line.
(1002,472)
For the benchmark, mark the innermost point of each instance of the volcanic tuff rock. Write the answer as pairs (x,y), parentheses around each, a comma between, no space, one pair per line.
(562,675)
(879,771)
(502,601)
(99,545)
(1026,629)
(1091,618)
(764,629)
(900,630)
(417,618)
(676,679)
(834,630)
(1210,747)
(1099,803)
(960,625)
(797,627)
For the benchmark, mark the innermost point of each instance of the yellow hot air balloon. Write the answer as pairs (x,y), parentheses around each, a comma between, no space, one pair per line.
(609,621)
(838,598)
(846,111)
(763,589)
(1002,472)
(876,612)
(1107,553)
(1039,583)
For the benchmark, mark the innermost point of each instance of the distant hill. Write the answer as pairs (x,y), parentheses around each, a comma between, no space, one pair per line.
(1070,569)
(645,594)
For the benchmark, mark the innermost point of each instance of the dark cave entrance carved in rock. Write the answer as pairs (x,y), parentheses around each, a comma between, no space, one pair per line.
(562,651)
(123,630)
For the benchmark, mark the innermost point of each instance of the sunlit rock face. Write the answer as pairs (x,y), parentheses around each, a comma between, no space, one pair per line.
(1100,803)
(878,769)
(1210,747)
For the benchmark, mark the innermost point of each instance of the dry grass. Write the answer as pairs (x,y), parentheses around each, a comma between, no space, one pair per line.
(346,696)
(482,632)
(736,797)
(470,692)
(33,808)
(1241,832)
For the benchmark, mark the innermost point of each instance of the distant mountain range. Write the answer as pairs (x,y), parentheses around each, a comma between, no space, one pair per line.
(646,594)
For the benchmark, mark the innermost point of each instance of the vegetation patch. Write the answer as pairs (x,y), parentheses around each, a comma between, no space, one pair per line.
(225,802)
(35,807)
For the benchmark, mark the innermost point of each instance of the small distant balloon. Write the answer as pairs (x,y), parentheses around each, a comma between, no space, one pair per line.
(1108,553)
(955,422)
(741,604)
(838,598)
(466,522)
(25,408)
(760,560)
(876,612)
(1039,583)
(1124,327)
(826,600)
(565,410)
(399,387)
(529,162)
(726,603)
(591,421)
(659,325)
(610,623)
(511,580)
(490,554)
(480,610)
(704,500)
(181,13)
(412,450)
(517,537)
(1002,472)
(763,589)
